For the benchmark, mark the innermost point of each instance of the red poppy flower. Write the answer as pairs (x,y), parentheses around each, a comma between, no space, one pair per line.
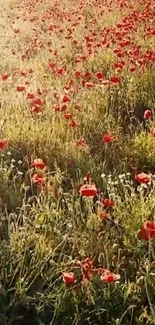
(89,85)
(86,75)
(107,138)
(20,88)
(60,72)
(56,108)
(36,109)
(99,75)
(73,124)
(69,84)
(63,108)
(4,77)
(83,82)
(77,74)
(147,114)
(68,116)
(132,68)
(109,277)
(87,263)
(87,268)
(148,230)
(36,105)
(38,179)
(106,82)
(142,178)
(81,143)
(66,99)
(51,65)
(16,30)
(23,73)
(108,203)
(3,144)
(30,96)
(68,278)
(88,190)
(115,80)
(38,163)
(37,101)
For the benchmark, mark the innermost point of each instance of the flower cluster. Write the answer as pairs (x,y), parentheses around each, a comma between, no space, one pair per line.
(88,272)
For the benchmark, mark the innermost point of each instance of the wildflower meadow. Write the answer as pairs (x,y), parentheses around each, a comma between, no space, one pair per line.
(77,162)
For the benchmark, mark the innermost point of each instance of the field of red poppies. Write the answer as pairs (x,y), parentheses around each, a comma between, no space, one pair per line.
(77,162)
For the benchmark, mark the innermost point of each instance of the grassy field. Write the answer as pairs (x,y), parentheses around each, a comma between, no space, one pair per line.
(77,162)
